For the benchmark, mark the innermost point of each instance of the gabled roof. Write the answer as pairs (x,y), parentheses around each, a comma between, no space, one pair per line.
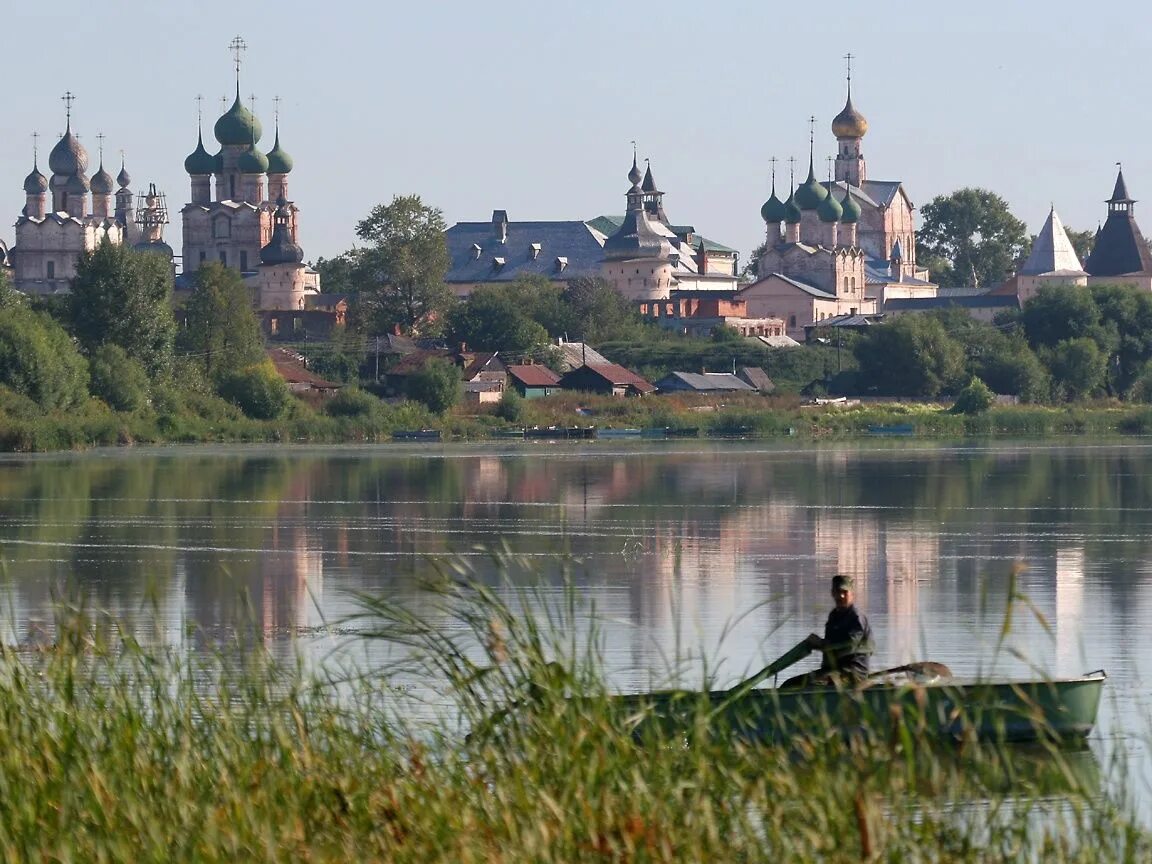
(757,378)
(1052,252)
(534,375)
(472,363)
(576,354)
(290,367)
(795,283)
(883,192)
(702,382)
(777,341)
(615,375)
(474,249)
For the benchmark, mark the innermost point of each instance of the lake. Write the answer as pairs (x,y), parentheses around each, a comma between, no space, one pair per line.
(719,552)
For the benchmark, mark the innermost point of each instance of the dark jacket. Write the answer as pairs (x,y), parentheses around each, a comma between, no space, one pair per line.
(848,642)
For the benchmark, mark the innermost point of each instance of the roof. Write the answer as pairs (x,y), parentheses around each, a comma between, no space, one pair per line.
(702,382)
(883,192)
(472,363)
(1120,247)
(483,385)
(926,304)
(577,354)
(961,291)
(1052,251)
(795,283)
(616,375)
(291,368)
(849,321)
(324,301)
(757,378)
(777,341)
(534,375)
(474,248)
(609,225)
(877,271)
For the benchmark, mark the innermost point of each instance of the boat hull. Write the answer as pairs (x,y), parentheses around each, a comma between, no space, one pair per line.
(1003,711)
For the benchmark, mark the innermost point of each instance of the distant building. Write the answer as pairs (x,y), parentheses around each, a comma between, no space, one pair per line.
(533,381)
(606,379)
(703,382)
(1120,254)
(700,312)
(1052,261)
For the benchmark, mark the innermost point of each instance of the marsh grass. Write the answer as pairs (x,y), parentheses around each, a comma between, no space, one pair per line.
(492,737)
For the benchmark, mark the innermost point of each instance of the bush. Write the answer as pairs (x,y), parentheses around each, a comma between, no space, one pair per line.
(40,361)
(118,379)
(511,407)
(436,386)
(974,398)
(258,391)
(352,402)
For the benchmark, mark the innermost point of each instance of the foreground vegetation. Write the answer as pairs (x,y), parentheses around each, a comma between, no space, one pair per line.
(474,749)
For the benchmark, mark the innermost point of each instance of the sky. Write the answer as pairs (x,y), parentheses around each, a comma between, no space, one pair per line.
(531,107)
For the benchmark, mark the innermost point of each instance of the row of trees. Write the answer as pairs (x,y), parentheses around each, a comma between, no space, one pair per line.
(1066,343)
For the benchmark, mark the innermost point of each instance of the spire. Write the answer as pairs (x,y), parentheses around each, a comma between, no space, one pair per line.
(649,184)
(810,193)
(1052,251)
(237,46)
(1120,192)
(634,175)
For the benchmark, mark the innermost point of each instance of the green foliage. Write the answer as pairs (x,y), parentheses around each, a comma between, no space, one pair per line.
(970,237)
(498,318)
(223,333)
(40,361)
(974,398)
(118,379)
(598,313)
(338,275)
(512,407)
(352,402)
(124,297)
(911,355)
(437,386)
(400,271)
(1078,367)
(257,390)
(1058,313)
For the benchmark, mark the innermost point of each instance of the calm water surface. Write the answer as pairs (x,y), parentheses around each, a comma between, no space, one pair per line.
(722,551)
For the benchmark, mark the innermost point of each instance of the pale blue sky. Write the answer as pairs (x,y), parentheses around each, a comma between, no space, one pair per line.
(530,106)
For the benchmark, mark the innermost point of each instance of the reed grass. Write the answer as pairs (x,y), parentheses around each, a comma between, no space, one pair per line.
(492,737)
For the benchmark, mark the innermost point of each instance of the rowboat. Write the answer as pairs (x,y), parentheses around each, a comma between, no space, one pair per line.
(1005,711)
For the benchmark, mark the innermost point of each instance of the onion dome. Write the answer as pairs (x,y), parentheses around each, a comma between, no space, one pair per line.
(238,126)
(35,183)
(102,183)
(200,161)
(156,247)
(773,212)
(792,214)
(849,123)
(281,249)
(851,208)
(810,193)
(252,161)
(68,157)
(830,209)
(123,179)
(77,184)
(634,175)
(279,162)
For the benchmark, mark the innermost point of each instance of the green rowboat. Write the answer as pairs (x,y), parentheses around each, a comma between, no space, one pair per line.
(1007,711)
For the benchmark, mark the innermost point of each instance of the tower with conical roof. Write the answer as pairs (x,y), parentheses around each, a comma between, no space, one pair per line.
(1052,261)
(849,127)
(638,257)
(282,282)
(1120,254)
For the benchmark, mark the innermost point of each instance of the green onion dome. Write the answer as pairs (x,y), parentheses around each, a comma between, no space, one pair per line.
(792,214)
(200,161)
(238,126)
(810,193)
(279,162)
(35,183)
(773,211)
(102,182)
(851,208)
(252,161)
(829,209)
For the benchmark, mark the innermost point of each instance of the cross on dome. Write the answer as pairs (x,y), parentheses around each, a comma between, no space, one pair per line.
(237,46)
(68,99)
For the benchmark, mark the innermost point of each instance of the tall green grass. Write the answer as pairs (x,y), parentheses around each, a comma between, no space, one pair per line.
(491,738)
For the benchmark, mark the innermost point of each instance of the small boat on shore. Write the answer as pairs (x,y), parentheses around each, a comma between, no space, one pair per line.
(1005,711)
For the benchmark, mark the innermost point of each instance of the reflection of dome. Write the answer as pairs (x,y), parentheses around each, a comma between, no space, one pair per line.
(849,123)
(102,182)
(238,125)
(158,247)
(35,183)
(252,161)
(200,161)
(68,157)
(279,162)
(851,208)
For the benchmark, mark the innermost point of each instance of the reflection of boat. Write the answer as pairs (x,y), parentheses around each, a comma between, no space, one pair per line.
(416,435)
(567,432)
(1004,711)
(619,433)
(517,432)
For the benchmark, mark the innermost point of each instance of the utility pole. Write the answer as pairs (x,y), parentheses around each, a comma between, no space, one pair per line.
(377,360)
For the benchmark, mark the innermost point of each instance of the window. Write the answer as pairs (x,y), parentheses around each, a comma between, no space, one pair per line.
(274,325)
(51,265)
(224,257)
(203,256)
(243,259)
(791,320)
(222,228)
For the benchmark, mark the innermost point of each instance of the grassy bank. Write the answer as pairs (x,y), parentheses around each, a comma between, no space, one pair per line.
(116,753)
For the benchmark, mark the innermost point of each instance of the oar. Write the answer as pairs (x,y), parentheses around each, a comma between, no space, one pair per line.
(790,657)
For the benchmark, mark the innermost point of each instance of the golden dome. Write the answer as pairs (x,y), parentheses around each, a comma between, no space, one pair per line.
(849,123)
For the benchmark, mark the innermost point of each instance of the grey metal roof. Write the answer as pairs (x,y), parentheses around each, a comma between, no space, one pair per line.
(1052,252)
(961,291)
(609,225)
(882,191)
(927,304)
(572,240)
(777,341)
(849,321)
(807,289)
(876,272)
(702,382)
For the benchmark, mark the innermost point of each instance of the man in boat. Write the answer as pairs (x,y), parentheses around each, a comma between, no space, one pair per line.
(846,643)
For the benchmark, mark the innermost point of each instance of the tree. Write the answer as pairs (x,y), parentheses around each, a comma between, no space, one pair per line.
(223,334)
(495,318)
(437,385)
(1058,313)
(1125,333)
(752,268)
(124,297)
(1078,367)
(599,312)
(338,275)
(974,398)
(257,390)
(1082,242)
(970,237)
(39,360)
(401,269)
(118,379)
(912,355)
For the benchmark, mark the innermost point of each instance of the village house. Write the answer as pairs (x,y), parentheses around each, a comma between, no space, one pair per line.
(606,379)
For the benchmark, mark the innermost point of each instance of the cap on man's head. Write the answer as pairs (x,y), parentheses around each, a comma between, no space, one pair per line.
(841,582)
